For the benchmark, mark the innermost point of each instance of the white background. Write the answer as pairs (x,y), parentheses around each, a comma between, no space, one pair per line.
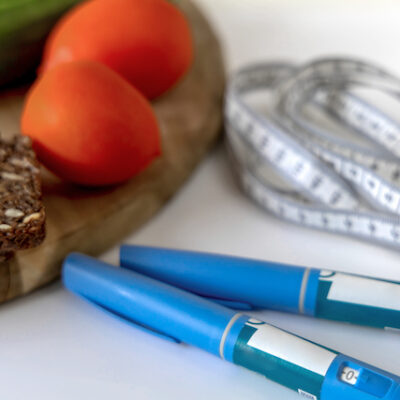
(55,346)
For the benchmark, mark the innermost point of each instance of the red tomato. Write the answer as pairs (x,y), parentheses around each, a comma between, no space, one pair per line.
(89,125)
(148,42)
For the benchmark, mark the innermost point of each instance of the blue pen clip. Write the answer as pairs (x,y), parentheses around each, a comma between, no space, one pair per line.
(96,282)
(138,325)
(236,305)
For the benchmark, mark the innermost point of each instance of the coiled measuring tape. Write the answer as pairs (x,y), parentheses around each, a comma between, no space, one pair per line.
(294,164)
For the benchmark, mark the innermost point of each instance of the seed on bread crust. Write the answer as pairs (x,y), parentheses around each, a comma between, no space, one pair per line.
(13,213)
(22,216)
(12,177)
(31,217)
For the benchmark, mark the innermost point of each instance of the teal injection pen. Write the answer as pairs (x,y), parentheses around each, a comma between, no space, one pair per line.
(246,283)
(314,371)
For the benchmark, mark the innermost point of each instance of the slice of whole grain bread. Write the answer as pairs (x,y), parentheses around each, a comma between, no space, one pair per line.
(22,216)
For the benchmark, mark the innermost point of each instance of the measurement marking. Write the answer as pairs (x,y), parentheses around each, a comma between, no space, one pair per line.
(328,177)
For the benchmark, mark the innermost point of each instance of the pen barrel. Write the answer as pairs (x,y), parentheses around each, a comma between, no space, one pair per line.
(150,304)
(261,284)
(355,299)
(314,371)
(247,283)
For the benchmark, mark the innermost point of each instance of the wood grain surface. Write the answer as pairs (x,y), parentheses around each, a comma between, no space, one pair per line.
(91,221)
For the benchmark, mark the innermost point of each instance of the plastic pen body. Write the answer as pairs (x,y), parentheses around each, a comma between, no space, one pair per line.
(148,303)
(315,372)
(264,284)
(352,298)
(312,370)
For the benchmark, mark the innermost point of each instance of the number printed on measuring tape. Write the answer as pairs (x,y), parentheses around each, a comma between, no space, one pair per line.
(333,184)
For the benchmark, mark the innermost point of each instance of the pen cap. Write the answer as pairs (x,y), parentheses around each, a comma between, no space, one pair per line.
(259,283)
(145,301)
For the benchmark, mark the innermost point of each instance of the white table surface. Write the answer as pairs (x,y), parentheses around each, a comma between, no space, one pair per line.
(55,346)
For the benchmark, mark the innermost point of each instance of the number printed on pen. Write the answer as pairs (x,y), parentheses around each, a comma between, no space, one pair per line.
(349,375)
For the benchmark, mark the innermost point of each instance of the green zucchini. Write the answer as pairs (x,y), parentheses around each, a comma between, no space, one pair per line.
(24,26)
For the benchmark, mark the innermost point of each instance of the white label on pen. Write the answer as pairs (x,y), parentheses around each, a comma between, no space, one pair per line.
(283,357)
(363,291)
(292,349)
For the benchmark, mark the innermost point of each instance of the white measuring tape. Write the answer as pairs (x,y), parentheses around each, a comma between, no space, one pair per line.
(331,182)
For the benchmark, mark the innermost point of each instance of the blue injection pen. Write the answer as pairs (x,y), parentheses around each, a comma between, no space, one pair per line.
(313,371)
(246,283)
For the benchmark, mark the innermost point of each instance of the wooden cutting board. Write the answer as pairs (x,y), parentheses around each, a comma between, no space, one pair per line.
(91,221)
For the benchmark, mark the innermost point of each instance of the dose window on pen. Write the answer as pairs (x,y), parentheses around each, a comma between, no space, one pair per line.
(366,380)
(349,375)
